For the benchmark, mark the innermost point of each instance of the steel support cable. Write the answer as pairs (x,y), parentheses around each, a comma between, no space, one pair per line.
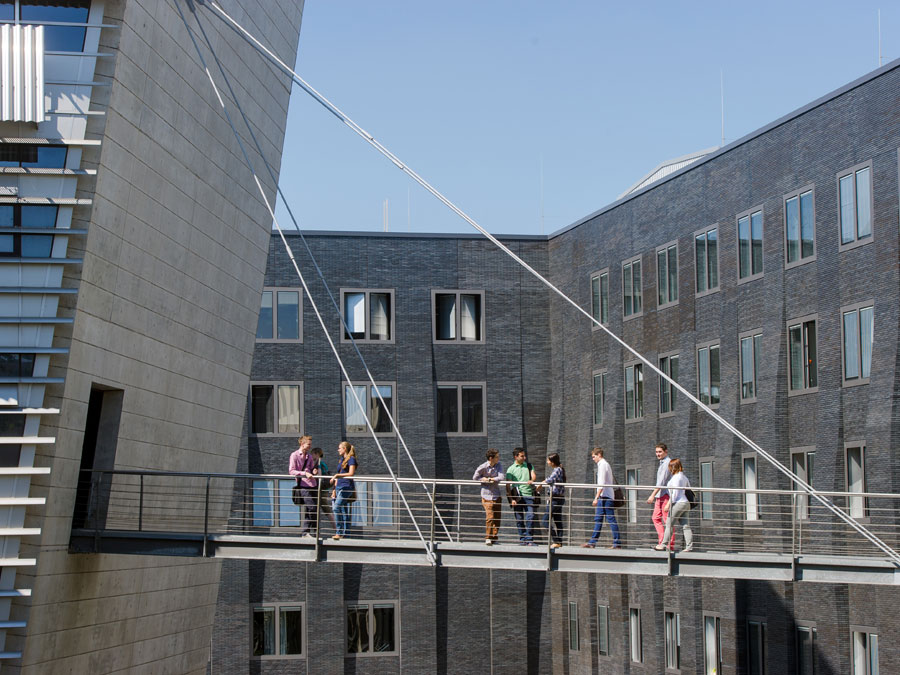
(321,276)
(334,110)
(426,543)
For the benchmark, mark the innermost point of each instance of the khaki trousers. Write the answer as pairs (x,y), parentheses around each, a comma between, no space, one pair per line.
(491,518)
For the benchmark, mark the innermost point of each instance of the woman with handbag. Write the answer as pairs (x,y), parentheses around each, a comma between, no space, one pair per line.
(344,492)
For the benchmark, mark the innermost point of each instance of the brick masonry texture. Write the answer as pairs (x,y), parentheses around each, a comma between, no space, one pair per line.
(538,359)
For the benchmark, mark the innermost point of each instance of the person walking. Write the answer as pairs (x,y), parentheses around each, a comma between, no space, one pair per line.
(660,496)
(302,465)
(490,473)
(521,495)
(344,492)
(553,521)
(678,506)
(603,501)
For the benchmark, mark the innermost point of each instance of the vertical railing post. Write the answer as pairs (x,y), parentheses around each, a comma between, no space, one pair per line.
(206,518)
(458,512)
(800,530)
(95,479)
(569,501)
(433,511)
(318,512)
(794,521)
(141,506)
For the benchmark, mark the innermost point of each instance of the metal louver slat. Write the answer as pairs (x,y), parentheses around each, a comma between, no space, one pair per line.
(21,73)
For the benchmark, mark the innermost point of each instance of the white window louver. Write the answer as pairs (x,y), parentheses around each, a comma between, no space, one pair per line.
(21,73)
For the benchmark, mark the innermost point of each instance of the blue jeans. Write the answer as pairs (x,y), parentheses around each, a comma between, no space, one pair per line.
(554,512)
(524,512)
(605,510)
(342,510)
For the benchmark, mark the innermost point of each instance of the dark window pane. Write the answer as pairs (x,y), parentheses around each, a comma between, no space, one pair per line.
(264,324)
(757,235)
(604,298)
(288,315)
(262,414)
(383,637)
(792,228)
(379,411)
(7,215)
(712,257)
(357,629)
(7,10)
(39,216)
(43,156)
(636,289)
(744,247)
(700,245)
(291,630)
(472,409)
(12,425)
(813,376)
(7,244)
(447,410)
(714,375)
(263,631)
(37,245)
(9,455)
(445,308)
(58,38)
(807,234)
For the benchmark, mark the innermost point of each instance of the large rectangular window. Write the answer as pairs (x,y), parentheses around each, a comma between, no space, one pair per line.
(368,314)
(277,631)
(750,481)
(634,391)
(271,503)
(16,218)
(750,245)
(599,393)
(276,408)
(864,652)
(460,408)
(803,370)
(603,630)
(855,456)
(706,260)
(374,505)
(667,275)
(634,631)
(806,649)
(756,647)
(799,227)
(33,156)
(600,296)
(708,373)
(280,318)
(632,298)
(750,349)
(57,38)
(458,316)
(573,627)
(706,481)
(855,204)
(858,336)
(372,628)
(712,645)
(803,462)
(377,400)
(632,477)
(668,364)
(673,640)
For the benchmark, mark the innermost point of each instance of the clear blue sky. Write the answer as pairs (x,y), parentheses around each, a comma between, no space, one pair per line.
(475,96)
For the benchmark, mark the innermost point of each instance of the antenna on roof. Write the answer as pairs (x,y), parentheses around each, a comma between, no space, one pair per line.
(722,93)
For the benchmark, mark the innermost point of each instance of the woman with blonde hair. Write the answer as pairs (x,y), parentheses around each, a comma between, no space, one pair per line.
(344,492)
(680,507)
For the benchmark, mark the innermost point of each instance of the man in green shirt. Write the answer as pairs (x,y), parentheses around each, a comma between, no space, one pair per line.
(521,495)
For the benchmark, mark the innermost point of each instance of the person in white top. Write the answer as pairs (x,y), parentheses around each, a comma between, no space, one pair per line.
(603,501)
(678,507)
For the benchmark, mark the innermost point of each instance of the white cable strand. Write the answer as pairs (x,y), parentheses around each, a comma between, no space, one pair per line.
(891,553)
(428,548)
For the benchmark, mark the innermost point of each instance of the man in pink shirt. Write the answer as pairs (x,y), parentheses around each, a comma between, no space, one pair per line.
(303,465)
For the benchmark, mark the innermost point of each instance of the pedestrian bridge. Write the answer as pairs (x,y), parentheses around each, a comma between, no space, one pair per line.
(777,535)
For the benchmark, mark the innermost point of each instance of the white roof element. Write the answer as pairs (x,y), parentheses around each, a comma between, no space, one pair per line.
(666,168)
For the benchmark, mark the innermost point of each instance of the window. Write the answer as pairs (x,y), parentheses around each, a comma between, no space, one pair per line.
(708,373)
(369,314)
(855,205)
(631,288)
(803,462)
(634,625)
(632,477)
(706,481)
(276,408)
(855,456)
(634,391)
(603,630)
(806,649)
(600,296)
(460,408)
(573,627)
(673,640)
(751,348)
(372,628)
(24,217)
(374,505)
(750,482)
(599,394)
(667,275)
(32,156)
(864,652)
(280,318)
(750,247)
(706,260)
(802,361)
(277,630)
(56,38)
(272,505)
(858,335)
(756,648)
(799,227)
(712,645)
(17,365)
(377,400)
(458,316)
(669,365)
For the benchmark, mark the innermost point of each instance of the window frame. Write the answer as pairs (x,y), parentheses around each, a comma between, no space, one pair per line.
(853,445)
(763,633)
(868,631)
(602,375)
(632,364)
(856,307)
(790,195)
(703,497)
(717,618)
(366,501)
(368,403)
(868,239)
(665,247)
(599,274)
(705,232)
(371,609)
(677,637)
(708,345)
(631,496)
(275,485)
(802,321)
(574,636)
(275,339)
(275,385)
(458,339)
(629,262)
(277,607)
(811,627)
(663,383)
(755,489)
(762,249)
(367,317)
(802,508)
(635,611)
(459,408)
(600,652)
(752,334)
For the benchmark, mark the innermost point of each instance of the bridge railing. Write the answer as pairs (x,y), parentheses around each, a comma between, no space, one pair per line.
(444,511)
